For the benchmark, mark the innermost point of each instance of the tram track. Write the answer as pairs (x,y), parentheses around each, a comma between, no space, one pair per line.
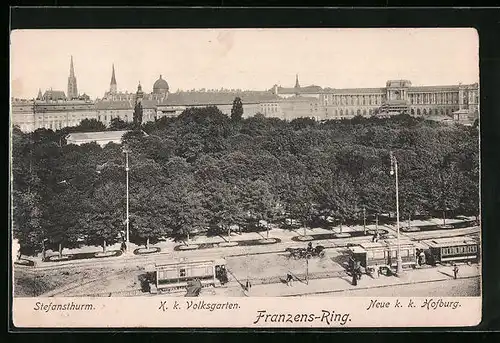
(122,261)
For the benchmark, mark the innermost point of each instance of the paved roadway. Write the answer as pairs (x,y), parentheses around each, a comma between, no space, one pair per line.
(138,261)
(443,288)
(214,253)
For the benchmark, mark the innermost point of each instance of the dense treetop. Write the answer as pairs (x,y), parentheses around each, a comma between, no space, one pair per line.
(205,170)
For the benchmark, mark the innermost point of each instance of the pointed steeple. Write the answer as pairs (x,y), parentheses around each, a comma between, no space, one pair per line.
(39,96)
(72,87)
(113,86)
(297,85)
(71,68)
(113,79)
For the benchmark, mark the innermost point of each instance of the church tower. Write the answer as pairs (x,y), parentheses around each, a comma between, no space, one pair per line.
(112,86)
(139,95)
(72,88)
(297,85)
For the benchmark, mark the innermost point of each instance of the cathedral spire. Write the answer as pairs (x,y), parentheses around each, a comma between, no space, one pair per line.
(72,87)
(71,68)
(297,85)
(39,96)
(113,79)
(113,87)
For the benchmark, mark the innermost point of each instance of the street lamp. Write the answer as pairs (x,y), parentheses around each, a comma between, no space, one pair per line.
(394,171)
(43,248)
(307,270)
(127,220)
(364,220)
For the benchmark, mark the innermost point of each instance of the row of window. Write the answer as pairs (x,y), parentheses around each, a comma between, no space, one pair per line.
(468,249)
(270,109)
(379,254)
(435,111)
(435,98)
(105,117)
(57,125)
(350,112)
(353,100)
(182,272)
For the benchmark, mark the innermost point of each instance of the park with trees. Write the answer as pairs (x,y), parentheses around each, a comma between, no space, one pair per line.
(205,171)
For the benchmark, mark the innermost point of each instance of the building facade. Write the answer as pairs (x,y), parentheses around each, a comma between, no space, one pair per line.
(54,110)
(399,96)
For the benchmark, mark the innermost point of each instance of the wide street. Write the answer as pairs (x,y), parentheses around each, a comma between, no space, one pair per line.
(264,265)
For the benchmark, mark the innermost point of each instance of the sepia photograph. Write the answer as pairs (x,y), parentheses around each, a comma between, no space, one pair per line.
(245,164)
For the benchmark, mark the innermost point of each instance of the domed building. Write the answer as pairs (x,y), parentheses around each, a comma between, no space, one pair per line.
(160,89)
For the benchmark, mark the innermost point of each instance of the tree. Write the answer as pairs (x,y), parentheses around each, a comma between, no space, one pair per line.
(301,204)
(104,216)
(118,124)
(185,209)
(27,227)
(148,216)
(224,206)
(237,110)
(302,123)
(337,197)
(138,115)
(257,201)
(90,125)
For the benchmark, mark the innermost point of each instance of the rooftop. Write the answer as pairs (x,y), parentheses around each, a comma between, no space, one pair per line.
(96,136)
(451,241)
(217,98)
(353,90)
(113,105)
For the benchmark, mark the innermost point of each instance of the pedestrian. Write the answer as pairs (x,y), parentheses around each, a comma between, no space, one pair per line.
(248,285)
(354,279)
(455,271)
(422,257)
(289,279)
(358,270)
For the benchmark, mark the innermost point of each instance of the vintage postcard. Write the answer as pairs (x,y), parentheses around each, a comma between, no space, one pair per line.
(249,178)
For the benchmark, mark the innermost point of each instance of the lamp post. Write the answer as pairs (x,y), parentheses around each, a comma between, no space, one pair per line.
(43,248)
(364,220)
(394,171)
(127,220)
(307,271)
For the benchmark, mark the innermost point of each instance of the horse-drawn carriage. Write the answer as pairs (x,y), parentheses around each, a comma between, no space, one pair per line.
(309,252)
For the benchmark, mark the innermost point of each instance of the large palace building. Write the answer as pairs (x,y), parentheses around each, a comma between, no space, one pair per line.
(55,110)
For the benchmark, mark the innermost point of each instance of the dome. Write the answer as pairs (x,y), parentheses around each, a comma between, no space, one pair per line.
(160,86)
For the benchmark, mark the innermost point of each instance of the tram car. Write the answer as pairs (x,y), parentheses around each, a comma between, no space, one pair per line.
(450,250)
(377,257)
(175,276)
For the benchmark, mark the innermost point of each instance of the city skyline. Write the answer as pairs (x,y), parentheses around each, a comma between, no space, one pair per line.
(214,59)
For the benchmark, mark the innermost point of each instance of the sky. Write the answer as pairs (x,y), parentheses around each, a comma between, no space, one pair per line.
(253,59)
